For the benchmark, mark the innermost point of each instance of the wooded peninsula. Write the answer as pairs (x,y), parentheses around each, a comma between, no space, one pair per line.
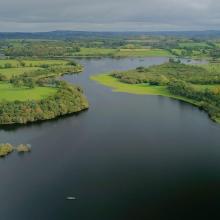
(195,84)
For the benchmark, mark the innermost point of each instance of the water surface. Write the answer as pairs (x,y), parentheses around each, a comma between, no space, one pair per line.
(128,157)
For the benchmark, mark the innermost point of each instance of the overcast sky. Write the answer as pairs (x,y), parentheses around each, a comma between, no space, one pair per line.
(109,15)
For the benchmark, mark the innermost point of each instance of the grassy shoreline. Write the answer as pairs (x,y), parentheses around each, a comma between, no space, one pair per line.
(141,89)
(137,89)
(10,93)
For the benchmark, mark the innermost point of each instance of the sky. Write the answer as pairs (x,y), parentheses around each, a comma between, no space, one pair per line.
(109,15)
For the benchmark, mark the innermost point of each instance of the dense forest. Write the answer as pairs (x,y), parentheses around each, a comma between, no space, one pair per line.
(163,74)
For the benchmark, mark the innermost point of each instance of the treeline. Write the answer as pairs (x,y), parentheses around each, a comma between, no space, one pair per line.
(163,74)
(67,100)
(71,47)
(179,46)
(41,49)
(207,99)
(53,71)
(32,78)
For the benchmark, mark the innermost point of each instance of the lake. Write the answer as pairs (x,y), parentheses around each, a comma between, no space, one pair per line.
(128,157)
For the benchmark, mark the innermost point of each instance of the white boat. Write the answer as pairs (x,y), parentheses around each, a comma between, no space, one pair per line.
(71,198)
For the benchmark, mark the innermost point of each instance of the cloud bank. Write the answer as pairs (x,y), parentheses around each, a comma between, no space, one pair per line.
(105,15)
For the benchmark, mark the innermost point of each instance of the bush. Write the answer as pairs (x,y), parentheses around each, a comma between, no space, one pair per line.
(68,99)
(23,148)
(2,77)
(8,65)
(72,63)
(5,149)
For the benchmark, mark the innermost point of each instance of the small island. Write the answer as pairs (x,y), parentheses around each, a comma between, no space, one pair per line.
(6,149)
(195,84)
(23,148)
(31,91)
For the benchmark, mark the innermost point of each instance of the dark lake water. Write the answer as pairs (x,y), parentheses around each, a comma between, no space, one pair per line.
(128,157)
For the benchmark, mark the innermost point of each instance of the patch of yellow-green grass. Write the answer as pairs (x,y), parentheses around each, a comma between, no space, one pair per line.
(194,45)
(13,63)
(9,72)
(5,149)
(143,53)
(212,67)
(31,63)
(138,89)
(177,51)
(95,52)
(46,62)
(117,86)
(196,54)
(203,87)
(10,93)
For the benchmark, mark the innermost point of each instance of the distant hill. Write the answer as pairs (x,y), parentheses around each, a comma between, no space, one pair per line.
(58,35)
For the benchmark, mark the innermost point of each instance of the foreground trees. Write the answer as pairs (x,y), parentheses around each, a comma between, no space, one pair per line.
(69,99)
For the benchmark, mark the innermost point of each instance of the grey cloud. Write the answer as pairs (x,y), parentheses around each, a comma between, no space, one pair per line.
(140,15)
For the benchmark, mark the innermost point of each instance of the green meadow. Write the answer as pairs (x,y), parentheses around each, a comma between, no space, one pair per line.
(20,67)
(30,63)
(138,89)
(198,45)
(9,72)
(143,53)
(45,62)
(10,93)
(95,52)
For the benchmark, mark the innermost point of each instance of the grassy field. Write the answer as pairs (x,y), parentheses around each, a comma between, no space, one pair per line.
(138,89)
(195,53)
(14,63)
(194,45)
(10,93)
(177,51)
(143,53)
(203,87)
(122,52)
(9,72)
(213,67)
(47,62)
(31,63)
(95,52)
